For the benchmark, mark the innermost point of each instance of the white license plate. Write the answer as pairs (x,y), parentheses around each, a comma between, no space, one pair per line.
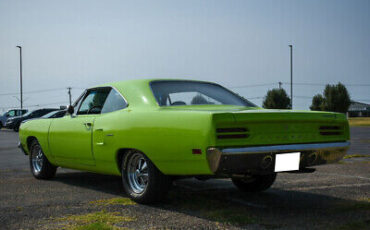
(287,161)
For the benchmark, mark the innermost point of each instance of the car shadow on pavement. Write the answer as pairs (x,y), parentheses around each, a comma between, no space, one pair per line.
(220,201)
(97,182)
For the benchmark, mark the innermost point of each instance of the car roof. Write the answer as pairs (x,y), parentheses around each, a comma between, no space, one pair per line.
(138,92)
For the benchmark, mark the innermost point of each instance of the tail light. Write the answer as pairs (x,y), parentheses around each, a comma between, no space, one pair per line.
(232,133)
(330,130)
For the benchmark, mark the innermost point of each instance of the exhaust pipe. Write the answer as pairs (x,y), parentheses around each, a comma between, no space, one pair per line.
(266,162)
(311,159)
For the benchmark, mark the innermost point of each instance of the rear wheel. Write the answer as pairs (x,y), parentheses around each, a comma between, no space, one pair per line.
(256,183)
(39,164)
(142,181)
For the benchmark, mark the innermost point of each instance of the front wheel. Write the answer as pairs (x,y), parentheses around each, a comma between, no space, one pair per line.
(256,183)
(142,181)
(39,164)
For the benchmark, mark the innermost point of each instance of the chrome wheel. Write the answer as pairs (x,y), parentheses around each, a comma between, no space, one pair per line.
(37,159)
(137,173)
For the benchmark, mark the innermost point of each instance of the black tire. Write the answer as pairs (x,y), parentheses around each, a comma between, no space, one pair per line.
(257,183)
(156,186)
(1,125)
(45,170)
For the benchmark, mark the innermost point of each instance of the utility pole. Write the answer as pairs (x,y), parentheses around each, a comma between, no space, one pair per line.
(70,95)
(291,76)
(20,73)
(280,83)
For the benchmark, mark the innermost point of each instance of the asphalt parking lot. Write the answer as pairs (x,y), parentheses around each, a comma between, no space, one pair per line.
(336,196)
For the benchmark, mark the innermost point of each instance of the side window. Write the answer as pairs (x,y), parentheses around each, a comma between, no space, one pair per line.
(35,114)
(39,113)
(46,111)
(59,114)
(11,113)
(94,101)
(114,102)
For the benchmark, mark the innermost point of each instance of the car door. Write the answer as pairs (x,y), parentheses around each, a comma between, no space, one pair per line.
(70,137)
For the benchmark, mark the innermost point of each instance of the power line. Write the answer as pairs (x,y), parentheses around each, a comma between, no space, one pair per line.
(306,97)
(298,83)
(320,84)
(256,85)
(31,92)
(36,105)
(54,103)
(254,97)
(279,84)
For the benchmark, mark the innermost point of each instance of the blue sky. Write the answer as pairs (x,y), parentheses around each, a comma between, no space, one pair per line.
(234,43)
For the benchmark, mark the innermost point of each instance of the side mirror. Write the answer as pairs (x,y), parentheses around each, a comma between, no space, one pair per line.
(7,114)
(70,110)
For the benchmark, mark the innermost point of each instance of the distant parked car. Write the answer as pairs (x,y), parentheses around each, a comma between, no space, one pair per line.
(53,114)
(15,122)
(9,114)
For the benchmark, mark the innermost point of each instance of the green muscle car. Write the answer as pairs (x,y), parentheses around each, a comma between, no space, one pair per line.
(151,132)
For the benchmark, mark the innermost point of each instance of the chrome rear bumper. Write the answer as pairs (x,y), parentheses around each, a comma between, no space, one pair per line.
(251,159)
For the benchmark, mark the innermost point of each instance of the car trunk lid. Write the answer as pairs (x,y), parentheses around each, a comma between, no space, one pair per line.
(270,127)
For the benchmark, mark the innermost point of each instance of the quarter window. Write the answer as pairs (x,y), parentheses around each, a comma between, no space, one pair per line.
(114,102)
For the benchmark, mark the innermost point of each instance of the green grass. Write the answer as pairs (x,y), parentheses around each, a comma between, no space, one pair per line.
(355,156)
(359,121)
(102,220)
(94,226)
(114,201)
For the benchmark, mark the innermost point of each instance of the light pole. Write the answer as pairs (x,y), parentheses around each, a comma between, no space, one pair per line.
(291,76)
(20,73)
(70,95)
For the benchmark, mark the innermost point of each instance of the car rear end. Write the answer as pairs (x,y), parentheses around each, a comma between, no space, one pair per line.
(267,141)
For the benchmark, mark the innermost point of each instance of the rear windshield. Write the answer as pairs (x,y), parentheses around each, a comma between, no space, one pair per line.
(174,93)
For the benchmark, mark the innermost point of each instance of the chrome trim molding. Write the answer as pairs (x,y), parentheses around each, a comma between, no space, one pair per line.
(279,148)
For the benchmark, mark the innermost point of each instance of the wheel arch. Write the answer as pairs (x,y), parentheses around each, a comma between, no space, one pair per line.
(30,139)
(122,152)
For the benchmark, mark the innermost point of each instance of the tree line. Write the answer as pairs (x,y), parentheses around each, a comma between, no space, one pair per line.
(335,98)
